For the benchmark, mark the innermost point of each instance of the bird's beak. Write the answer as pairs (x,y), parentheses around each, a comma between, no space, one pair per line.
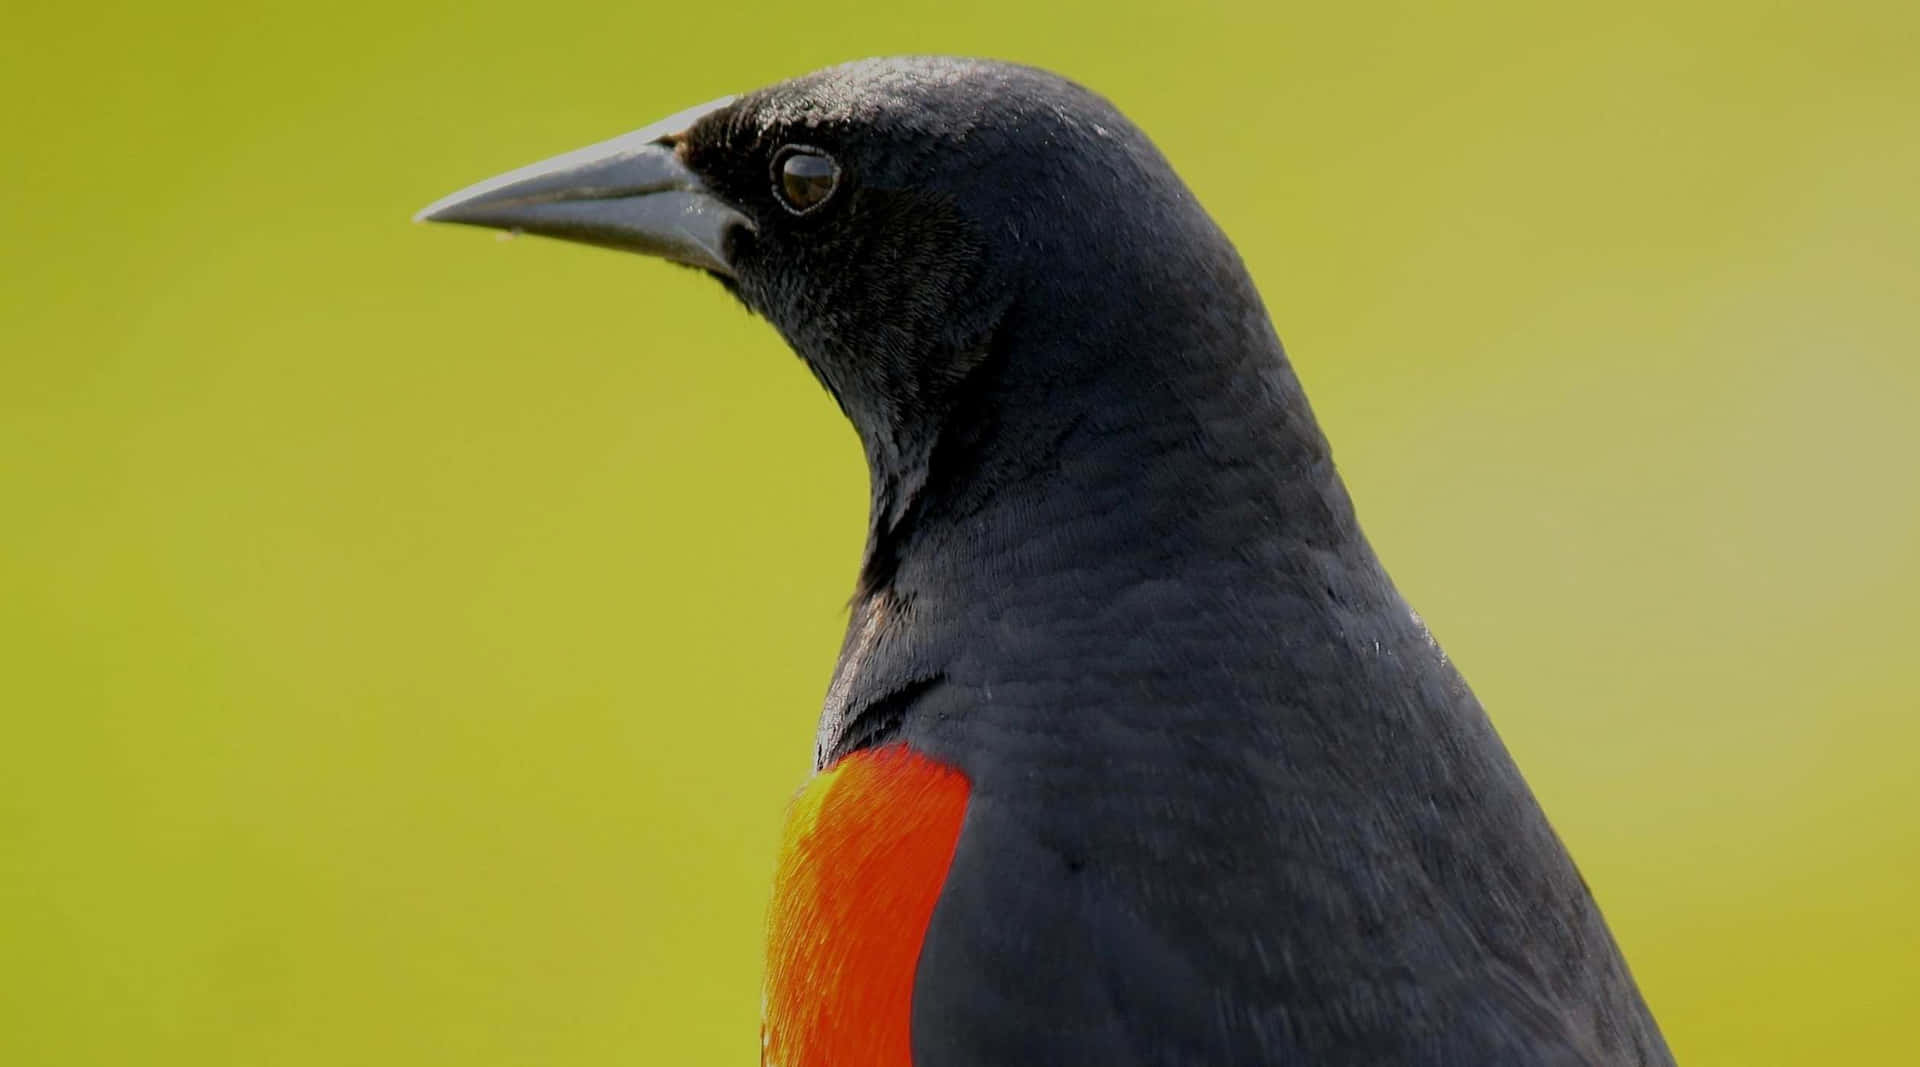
(632,193)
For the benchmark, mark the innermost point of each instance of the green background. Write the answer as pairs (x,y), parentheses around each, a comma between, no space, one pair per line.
(409,642)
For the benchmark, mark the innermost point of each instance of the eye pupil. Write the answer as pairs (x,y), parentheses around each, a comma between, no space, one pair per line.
(807,178)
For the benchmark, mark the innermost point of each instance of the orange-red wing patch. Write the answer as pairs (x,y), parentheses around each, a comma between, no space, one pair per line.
(867,848)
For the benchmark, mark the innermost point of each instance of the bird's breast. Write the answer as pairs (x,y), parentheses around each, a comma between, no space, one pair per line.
(866,851)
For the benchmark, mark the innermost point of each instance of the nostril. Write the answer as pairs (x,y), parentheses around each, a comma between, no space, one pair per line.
(738,239)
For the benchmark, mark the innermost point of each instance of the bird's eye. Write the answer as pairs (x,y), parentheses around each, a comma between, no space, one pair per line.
(804,178)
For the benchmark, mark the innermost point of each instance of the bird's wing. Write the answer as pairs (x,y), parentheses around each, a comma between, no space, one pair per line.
(1034,957)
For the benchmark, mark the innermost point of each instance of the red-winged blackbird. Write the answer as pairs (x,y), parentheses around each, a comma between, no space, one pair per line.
(1134,755)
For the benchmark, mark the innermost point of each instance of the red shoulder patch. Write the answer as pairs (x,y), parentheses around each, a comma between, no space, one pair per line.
(867,847)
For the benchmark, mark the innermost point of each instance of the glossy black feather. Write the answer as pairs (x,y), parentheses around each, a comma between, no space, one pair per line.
(1231,804)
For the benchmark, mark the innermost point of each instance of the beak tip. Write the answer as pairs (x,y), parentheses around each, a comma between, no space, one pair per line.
(439,210)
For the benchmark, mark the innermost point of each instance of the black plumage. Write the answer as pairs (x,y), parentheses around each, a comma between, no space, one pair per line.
(1231,804)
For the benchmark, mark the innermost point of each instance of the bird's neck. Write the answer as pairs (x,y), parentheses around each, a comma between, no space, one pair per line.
(1113,433)
(1077,511)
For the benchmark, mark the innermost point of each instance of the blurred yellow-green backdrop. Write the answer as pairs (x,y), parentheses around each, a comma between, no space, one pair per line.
(408,642)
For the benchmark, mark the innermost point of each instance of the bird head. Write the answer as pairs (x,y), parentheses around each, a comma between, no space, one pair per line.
(895,219)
